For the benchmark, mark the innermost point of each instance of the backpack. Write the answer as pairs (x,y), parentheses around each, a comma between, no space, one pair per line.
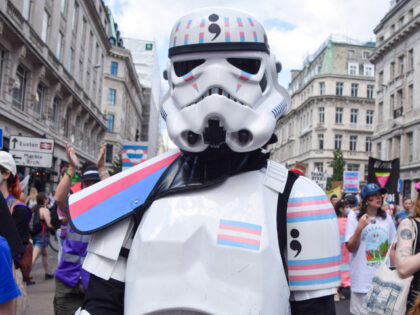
(55,220)
(35,224)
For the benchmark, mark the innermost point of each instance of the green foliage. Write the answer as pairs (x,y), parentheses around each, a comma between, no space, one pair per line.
(337,165)
(116,166)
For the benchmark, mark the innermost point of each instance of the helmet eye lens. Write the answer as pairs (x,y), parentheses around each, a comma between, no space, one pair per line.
(183,67)
(249,65)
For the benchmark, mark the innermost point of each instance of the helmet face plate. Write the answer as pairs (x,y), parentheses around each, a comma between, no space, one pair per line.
(222,95)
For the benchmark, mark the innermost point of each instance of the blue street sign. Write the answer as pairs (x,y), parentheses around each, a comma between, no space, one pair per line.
(1,138)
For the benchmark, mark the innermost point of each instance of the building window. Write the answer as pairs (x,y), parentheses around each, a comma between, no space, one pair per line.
(410,97)
(1,67)
(353,115)
(63,6)
(401,61)
(19,87)
(410,147)
(350,53)
(321,141)
(321,88)
(368,70)
(110,122)
(353,167)
(392,28)
(368,144)
(338,141)
(369,91)
(39,100)
(45,26)
(114,68)
(26,12)
(401,21)
(339,115)
(54,113)
(319,166)
(369,117)
(353,143)
(392,71)
(366,55)
(149,46)
(381,79)
(66,125)
(108,153)
(392,102)
(400,99)
(70,61)
(353,68)
(410,59)
(111,96)
(354,89)
(59,45)
(339,88)
(75,15)
(321,115)
(410,13)
(380,111)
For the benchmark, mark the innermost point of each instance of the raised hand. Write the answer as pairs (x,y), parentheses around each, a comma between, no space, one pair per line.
(71,155)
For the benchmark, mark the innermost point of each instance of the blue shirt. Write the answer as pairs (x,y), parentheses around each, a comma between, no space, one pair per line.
(402,214)
(8,287)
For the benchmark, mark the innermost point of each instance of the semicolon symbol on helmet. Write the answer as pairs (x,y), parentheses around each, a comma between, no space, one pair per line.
(295,245)
(213,27)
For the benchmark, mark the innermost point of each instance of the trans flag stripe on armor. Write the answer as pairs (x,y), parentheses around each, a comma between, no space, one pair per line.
(107,201)
(239,234)
(309,209)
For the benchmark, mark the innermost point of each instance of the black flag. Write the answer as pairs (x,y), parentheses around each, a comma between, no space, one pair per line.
(386,175)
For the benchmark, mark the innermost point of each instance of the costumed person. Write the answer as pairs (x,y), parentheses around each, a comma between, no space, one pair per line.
(224,230)
(70,279)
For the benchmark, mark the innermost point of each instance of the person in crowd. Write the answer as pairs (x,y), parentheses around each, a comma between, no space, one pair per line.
(11,190)
(369,231)
(71,280)
(333,199)
(408,264)
(40,240)
(31,199)
(407,209)
(340,210)
(352,202)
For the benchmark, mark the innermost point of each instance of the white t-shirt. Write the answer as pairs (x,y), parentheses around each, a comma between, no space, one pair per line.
(374,243)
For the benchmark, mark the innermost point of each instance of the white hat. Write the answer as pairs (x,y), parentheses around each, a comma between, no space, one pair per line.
(6,160)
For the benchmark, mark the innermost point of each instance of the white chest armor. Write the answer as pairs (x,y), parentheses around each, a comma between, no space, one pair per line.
(214,251)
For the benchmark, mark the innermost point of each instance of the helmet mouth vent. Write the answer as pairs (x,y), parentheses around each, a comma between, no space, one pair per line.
(216,91)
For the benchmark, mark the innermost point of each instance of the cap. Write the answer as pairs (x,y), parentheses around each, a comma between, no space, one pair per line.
(90,173)
(371,189)
(7,161)
(417,186)
(352,201)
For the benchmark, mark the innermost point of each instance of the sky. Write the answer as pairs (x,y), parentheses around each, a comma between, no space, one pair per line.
(295,28)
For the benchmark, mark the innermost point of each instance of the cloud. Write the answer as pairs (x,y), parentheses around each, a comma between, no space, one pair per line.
(295,29)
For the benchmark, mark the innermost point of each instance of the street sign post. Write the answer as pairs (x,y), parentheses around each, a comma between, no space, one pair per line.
(34,152)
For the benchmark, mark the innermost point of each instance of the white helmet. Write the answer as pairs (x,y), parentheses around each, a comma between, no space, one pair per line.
(222,82)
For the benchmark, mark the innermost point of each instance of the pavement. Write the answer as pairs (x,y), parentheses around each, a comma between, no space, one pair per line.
(41,294)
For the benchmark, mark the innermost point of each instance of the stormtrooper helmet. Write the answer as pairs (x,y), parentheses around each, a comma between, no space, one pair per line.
(223,85)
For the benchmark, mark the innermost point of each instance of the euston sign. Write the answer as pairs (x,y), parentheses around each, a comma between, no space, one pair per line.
(29,151)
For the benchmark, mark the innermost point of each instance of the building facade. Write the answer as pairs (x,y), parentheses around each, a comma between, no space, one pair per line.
(52,55)
(397,63)
(332,108)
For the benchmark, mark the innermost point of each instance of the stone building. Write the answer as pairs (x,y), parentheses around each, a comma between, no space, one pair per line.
(397,62)
(332,107)
(51,58)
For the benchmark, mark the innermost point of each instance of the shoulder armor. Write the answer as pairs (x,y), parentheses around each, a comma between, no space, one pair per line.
(275,176)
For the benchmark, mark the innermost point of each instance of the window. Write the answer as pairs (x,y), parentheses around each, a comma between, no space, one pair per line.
(410,13)
(338,141)
(66,125)
(401,21)
(392,71)
(410,97)
(54,113)
(149,46)
(392,102)
(1,67)
(353,143)
(366,55)
(339,88)
(39,100)
(354,89)
(368,144)
(400,99)
(80,74)
(319,166)
(321,115)
(410,147)
(75,15)
(350,53)
(353,167)
(19,87)
(401,61)
(353,115)
(70,61)
(26,12)
(110,122)
(114,68)
(368,70)
(321,141)
(339,115)
(108,153)
(45,26)
(111,96)
(381,79)
(369,91)
(381,111)
(321,88)
(369,117)
(410,59)
(59,45)
(353,68)
(63,6)
(392,28)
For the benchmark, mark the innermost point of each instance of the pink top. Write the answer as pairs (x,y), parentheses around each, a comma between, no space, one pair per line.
(345,267)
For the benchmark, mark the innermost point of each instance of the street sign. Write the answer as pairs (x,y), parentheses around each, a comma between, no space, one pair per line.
(1,138)
(29,151)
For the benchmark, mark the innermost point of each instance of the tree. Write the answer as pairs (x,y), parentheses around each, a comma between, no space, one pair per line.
(116,166)
(337,165)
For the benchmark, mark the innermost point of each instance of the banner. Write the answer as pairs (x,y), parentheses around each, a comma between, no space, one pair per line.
(351,181)
(386,175)
(133,153)
(336,191)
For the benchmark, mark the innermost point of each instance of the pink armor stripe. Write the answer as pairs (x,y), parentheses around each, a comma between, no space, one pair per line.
(315,266)
(238,239)
(308,203)
(315,277)
(308,213)
(239,229)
